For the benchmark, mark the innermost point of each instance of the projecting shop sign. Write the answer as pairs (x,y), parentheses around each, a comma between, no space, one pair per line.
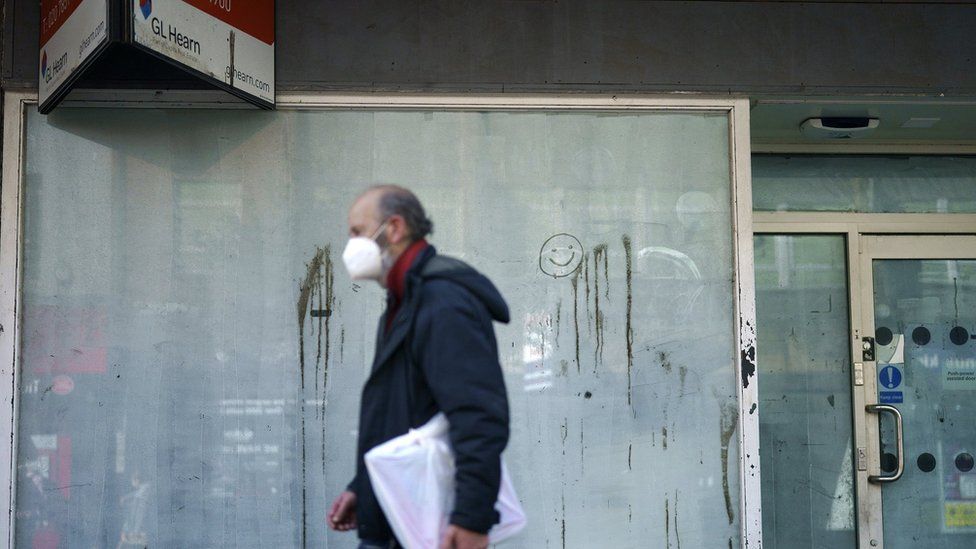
(72,32)
(229,42)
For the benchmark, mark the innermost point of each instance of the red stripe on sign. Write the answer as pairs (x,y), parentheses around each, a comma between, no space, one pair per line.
(254,17)
(53,14)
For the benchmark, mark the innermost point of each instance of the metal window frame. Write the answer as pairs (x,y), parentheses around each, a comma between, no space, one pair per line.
(11,244)
(854,226)
(742,364)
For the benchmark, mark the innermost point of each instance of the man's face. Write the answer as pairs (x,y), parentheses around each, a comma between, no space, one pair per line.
(363,219)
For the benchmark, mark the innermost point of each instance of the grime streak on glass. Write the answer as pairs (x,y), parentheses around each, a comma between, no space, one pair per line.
(329,309)
(629,331)
(304,293)
(667,522)
(559,318)
(606,272)
(664,437)
(599,253)
(564,432)
(727,424)
(563,499)
(317,292)
(582,447)
(677,537)
(665,361)
(586,283)
(575,282)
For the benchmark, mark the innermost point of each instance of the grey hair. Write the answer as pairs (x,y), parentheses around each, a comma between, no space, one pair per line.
(396,200)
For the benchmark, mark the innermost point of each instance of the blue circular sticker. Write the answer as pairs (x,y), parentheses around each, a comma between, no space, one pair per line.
(890,377)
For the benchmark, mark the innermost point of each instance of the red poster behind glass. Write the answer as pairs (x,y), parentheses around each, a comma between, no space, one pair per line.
(65,340)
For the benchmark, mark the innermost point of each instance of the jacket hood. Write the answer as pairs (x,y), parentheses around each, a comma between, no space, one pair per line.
(459,272)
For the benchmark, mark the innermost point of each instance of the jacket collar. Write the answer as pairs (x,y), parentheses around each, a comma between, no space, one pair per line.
(389,341)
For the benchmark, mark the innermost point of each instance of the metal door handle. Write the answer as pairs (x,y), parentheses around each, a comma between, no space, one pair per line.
(899,442)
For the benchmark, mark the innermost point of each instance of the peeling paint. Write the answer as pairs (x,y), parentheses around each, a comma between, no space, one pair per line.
(747,350)
(748,365)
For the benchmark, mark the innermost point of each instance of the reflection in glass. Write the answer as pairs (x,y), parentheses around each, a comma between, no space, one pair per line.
(804,391)
(869,184)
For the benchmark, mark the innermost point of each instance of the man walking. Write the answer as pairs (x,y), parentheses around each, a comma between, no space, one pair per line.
(435,352)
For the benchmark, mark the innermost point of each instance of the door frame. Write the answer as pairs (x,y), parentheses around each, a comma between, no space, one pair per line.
(742,363)
(853,226)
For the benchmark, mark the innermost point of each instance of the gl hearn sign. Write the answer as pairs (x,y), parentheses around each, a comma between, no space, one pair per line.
(229,44)
(72,33)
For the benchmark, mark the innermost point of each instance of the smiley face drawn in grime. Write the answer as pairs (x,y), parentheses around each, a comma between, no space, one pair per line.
(561,255)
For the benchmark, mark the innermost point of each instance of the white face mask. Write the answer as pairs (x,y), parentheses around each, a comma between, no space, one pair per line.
(363,257)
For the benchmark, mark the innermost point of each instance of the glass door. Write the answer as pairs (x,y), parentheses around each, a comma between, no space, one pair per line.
(918,345)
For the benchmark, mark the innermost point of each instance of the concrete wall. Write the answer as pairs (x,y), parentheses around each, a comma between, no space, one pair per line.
(754,47)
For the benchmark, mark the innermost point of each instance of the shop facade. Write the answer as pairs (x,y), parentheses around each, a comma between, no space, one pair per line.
(711,309)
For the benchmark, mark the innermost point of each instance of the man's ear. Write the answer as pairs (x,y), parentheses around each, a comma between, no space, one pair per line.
(399,226)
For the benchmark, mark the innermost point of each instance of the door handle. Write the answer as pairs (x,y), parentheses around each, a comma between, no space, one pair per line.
(899,442)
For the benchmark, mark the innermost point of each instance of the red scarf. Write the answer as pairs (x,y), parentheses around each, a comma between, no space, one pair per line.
(396,279)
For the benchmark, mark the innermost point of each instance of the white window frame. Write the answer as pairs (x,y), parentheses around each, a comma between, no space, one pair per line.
(742,362)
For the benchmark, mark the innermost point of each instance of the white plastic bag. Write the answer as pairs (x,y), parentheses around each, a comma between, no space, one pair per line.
(413,479)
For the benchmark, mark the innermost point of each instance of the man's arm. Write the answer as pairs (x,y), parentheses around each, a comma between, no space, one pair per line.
(455,343)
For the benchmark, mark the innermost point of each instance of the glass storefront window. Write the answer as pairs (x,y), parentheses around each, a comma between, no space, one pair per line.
(804,390)
(193,351)
(864,184)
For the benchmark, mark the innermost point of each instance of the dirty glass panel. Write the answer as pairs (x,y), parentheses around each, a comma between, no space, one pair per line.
(866,184)
(926,367)
(804,391)
(193,350)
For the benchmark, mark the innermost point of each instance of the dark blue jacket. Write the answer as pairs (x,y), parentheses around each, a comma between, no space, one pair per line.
(439,354)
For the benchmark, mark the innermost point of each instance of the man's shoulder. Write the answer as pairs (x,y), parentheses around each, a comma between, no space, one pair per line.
(442,284)
(443,267)
(438,292)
